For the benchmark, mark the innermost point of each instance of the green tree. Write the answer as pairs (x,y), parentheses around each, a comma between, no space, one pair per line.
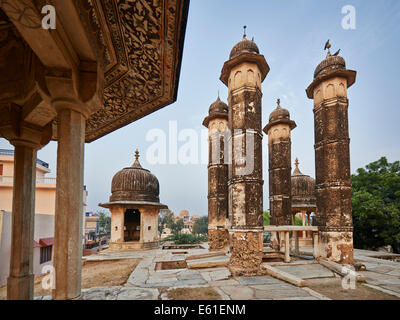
(104,221)
(376,205)
(266,217)
(177,226)
(168,219)
(200,226)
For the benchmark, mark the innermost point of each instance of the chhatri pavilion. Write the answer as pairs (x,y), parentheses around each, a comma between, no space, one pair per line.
(134,205)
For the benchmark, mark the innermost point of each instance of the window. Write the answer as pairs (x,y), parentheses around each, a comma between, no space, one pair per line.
(45,254)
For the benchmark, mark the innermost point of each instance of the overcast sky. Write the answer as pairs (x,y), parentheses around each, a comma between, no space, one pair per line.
(291,35)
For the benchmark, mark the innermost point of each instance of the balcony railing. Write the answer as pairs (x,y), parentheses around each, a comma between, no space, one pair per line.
(48,180)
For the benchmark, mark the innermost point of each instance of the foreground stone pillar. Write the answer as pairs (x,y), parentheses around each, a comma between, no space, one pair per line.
(69,204)
(27,138)
(20,280)
(243,74)
(332,158)
(217,124)
(279,151)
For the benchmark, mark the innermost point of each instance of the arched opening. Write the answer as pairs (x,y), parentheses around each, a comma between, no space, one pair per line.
(132,225)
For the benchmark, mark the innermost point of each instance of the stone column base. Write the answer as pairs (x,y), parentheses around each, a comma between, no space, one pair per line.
(336,246)
(246,248)
(218,239)
(20,288)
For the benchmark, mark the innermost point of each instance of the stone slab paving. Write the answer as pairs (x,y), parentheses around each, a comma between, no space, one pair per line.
(145,283)
(309,271)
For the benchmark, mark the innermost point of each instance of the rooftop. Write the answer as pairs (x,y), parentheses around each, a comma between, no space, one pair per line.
(8,152)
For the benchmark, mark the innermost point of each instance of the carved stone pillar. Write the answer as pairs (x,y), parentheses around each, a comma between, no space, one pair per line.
(279,151)
(217,124)
(332,157)
(69,204)
(20,280)
(27,139)
(243,73)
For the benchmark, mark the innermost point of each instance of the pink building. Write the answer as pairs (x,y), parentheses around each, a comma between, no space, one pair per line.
(44,214)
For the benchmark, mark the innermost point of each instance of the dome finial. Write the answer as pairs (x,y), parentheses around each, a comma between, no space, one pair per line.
(136,164)
(244,31)
(297,170)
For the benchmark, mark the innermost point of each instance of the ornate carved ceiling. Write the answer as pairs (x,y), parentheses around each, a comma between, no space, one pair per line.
(138,43)
(143,41)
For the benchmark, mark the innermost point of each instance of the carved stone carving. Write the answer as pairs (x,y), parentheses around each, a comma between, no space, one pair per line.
(143,62)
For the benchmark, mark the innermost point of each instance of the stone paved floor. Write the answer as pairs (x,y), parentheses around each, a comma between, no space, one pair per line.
(145,283)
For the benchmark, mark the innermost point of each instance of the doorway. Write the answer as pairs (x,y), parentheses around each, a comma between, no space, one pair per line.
(132,225)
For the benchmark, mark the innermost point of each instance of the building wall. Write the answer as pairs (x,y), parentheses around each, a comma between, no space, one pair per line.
(44,228)
(45,197)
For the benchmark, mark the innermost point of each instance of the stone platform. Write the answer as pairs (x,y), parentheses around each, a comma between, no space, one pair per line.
(147,283)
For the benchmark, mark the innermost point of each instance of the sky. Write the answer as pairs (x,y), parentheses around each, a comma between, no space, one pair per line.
(291,35)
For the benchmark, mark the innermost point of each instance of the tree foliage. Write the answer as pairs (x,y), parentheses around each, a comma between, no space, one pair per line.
(376,205)
(104,221)
(200,226)
(177,226)
(266,218)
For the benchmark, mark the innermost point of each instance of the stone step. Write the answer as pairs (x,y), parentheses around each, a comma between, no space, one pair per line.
(210,262)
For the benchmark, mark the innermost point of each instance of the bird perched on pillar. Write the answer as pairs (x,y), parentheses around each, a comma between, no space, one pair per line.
(327,45)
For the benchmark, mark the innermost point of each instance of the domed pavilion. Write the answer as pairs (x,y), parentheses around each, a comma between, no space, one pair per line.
(134,205)
(303,202)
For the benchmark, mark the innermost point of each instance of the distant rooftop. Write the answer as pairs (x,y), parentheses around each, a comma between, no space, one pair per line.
(7,152)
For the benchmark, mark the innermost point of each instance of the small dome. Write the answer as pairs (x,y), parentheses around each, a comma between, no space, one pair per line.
(244,46)
(330,63)
(218,107)
(279,113)
(303,189)
(135,184)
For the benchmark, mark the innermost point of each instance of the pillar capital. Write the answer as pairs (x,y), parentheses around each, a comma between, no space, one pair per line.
(20,132)
(80,90)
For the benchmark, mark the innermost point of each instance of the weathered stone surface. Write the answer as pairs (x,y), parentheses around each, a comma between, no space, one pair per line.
(332,161)
(217,261)
(138,294)
(279,153)
(246,250)
(307,271)
(258,280)
(218,239)
(238,292)
(217,124)
(278,294)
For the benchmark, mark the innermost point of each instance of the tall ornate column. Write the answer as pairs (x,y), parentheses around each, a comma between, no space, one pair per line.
(217,124)
(332,157)
(243,73)
(279,151)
